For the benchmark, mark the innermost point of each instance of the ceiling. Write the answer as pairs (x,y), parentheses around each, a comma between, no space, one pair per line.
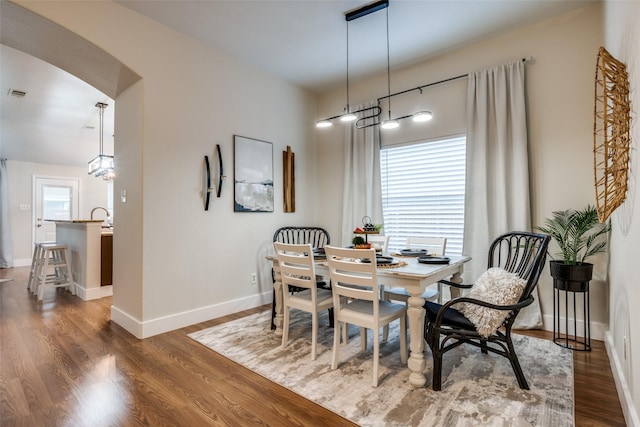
(302,41)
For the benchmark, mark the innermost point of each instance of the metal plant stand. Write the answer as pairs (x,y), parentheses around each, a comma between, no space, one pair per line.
(567,340)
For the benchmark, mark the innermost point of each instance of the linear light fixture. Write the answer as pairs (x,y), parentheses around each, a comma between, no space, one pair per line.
(371,112)
(102,165)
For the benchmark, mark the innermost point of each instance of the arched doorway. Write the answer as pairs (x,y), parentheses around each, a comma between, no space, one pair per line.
(28,32)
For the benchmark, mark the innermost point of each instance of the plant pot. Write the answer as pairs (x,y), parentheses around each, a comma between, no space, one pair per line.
(364,246)
(572,278)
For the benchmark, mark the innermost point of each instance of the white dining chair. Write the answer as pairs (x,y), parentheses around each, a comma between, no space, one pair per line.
(356,301)
(378,241)
(435,246)
(297,269)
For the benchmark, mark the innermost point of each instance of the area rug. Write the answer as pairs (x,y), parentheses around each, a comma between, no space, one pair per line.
(477,389)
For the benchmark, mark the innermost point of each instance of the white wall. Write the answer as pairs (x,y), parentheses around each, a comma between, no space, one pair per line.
(560,104)
(622,40)
(93,192)
(182,264)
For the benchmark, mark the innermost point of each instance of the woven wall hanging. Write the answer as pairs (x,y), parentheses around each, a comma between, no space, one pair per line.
(611,121)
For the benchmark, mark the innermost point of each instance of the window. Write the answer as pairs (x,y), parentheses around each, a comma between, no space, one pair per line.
(56,202)
(423,188)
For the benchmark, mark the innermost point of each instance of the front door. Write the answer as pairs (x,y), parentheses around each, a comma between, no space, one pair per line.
(54,199)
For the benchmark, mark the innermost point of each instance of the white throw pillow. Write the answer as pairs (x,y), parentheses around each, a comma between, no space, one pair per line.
(495,286)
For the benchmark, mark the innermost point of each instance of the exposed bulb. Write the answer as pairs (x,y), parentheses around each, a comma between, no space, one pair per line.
(422,116)
(390,124)
(348,117)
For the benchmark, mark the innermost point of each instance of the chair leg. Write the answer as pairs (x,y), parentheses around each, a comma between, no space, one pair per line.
(515,364)
(363,339)
(483,347)
(34,263)
(403,339)
(385,328)
(285,328)
(314,334)
(336,343)
(331,320)
(273,311)
(376,355)
(436,382)
(432,336)
(43,278)
(345,333)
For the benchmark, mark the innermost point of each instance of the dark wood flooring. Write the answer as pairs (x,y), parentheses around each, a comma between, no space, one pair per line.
(64,363)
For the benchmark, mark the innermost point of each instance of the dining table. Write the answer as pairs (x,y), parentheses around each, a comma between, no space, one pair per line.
(405,272)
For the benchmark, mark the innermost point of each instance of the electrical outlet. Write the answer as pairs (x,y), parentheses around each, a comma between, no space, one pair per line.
(254,278)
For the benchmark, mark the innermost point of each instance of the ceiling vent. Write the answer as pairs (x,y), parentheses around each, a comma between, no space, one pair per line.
(17,93)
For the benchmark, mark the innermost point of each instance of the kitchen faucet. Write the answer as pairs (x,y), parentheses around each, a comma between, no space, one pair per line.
(100,207)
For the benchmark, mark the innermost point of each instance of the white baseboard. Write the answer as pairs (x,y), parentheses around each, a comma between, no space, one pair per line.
(93,293)
(180,320)
(624,395)
(26,262)
(597,330)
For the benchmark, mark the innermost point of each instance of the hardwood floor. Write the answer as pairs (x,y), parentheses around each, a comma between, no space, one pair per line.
(63,363)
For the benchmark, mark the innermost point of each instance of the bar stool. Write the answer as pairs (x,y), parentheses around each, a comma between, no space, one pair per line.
(32,284)
(53,269)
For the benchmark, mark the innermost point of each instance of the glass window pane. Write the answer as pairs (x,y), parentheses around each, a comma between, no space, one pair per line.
(423,187)
(56,202)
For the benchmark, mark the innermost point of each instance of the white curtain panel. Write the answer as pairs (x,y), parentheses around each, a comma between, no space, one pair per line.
(6,244)
(362,194)
(497,182)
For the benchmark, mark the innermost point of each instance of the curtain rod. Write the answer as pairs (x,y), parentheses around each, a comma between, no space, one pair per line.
(462,76)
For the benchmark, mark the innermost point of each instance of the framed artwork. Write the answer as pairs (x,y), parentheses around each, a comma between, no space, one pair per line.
(253,175)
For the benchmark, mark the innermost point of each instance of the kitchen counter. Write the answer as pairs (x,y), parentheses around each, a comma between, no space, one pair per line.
(83,237)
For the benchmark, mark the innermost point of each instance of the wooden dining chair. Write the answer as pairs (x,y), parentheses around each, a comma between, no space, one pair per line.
(297,269)
(356,301)
(381,242)
(485,316)
(317,237)
(434,246)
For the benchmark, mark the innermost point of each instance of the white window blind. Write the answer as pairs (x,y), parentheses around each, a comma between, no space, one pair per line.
(423,187)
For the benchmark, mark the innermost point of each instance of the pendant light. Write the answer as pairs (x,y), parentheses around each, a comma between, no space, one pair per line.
(101,165)
(371,115)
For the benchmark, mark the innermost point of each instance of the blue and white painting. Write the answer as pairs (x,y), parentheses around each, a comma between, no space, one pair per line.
(253,175)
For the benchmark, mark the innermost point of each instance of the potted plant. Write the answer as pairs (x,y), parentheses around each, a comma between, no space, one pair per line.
(580,235)
(359,243)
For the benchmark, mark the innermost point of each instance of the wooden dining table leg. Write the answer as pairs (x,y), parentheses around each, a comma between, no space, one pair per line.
(416,362)
(277,286)
(456,278)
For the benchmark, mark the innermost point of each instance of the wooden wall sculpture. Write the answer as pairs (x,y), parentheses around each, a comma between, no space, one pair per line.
(610,133)
(289,184)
